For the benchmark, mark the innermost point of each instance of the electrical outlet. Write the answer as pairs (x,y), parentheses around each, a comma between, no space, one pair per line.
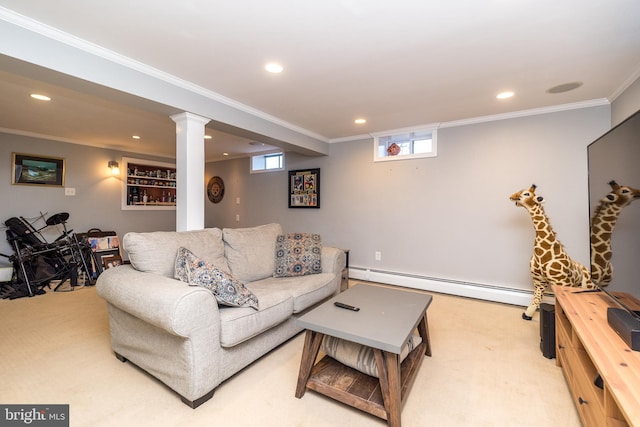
(237,217)
(237,200)
(69,191)
(378,255)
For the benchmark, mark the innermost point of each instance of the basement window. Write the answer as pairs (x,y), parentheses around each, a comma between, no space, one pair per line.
(267,162)
(405,145)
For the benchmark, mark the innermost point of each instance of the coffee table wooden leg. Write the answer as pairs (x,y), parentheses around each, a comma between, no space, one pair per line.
(389,374)
(423,330)
(312,341)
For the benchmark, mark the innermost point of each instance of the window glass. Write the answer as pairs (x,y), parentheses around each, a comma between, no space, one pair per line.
(407,145)
(267,162)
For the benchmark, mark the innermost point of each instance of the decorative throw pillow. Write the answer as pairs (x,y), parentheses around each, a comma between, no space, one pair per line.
(361,357)
(181,270)
(298,254)
(227,289)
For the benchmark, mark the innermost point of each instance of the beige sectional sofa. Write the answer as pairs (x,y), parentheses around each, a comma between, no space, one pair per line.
(179,333)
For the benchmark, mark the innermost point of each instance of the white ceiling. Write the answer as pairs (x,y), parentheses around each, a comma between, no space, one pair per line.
(398,64)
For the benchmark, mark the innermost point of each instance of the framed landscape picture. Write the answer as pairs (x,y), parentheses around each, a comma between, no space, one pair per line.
(304,188)
(29,169)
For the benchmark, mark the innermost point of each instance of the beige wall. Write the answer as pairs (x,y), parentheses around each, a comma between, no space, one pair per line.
(97,200)
(446,217)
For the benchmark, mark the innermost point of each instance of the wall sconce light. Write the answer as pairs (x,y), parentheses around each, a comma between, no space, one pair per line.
(114,166)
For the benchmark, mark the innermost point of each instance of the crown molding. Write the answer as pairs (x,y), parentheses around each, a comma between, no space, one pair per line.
(482,119)
(81,44)
(109,55)
(527,113)
(625,85)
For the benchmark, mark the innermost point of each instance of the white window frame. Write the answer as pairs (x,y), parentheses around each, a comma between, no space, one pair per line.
(407,134)
(264,157)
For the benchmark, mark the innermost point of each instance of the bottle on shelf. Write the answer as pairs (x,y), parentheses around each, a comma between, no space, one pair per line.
(149,185)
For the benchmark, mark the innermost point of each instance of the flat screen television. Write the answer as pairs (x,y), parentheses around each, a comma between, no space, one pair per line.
(614,207)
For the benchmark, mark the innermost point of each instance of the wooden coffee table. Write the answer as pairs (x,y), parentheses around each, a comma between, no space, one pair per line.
(385,322)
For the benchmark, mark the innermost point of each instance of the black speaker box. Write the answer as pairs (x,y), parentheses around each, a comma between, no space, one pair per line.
(548,330)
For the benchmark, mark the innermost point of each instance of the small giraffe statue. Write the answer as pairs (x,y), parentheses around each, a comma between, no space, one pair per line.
(550,264)
(602,224)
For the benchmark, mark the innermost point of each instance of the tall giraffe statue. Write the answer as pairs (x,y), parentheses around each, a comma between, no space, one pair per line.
(602,224)
(550,264)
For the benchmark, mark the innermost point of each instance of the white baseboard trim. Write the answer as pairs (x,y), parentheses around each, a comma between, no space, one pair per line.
(445,286)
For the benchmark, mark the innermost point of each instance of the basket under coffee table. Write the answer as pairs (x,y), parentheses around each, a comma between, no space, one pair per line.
(385,322)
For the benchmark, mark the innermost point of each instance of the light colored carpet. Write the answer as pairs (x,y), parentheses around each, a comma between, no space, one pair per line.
(486,370)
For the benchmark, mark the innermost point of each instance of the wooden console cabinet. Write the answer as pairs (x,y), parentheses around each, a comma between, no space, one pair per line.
(587,347)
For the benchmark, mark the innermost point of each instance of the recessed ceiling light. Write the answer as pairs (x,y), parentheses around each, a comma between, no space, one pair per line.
(360,121)
(565,87)
(505,95)
(273,68)
(136,137)
(225,154)
(208,137)
(40,97)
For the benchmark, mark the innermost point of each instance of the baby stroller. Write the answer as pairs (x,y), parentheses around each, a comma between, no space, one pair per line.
(37,263)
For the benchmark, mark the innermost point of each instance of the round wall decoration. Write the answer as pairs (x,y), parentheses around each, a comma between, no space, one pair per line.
(215,189)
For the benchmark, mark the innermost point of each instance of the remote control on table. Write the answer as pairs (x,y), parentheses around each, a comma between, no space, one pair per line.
(346,306)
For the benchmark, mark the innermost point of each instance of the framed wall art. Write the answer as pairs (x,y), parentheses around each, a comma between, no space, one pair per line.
(215,189)
(106,257)
(304,188)
(29,169)
(111,261)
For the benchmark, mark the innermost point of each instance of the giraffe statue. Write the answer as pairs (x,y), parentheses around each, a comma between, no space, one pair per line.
(602,224)
(550,264)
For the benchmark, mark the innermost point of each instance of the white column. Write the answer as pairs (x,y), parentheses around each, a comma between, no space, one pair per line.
(190,171)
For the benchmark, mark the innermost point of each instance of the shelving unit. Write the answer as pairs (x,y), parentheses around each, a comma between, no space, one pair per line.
(586,347)
(148,185)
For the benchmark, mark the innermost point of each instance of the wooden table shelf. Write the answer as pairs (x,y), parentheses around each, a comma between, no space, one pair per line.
(384,322)
(352,387)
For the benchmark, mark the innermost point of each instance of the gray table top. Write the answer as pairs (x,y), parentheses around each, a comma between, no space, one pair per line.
(386,319)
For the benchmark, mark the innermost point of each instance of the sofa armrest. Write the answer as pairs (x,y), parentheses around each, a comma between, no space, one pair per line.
(333,260)
(166,303)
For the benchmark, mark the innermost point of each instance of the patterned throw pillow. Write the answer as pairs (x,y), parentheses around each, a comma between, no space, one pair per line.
(181,271)
(360,357)
(227,289)
(298,254)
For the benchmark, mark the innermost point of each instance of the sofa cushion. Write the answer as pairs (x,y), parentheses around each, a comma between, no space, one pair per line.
(226,288)
(361,357)
(250,252)
(155,252)
(298,254)
(240,324)
(305,290)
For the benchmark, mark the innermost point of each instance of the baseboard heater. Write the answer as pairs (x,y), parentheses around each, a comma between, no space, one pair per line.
(446,286)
